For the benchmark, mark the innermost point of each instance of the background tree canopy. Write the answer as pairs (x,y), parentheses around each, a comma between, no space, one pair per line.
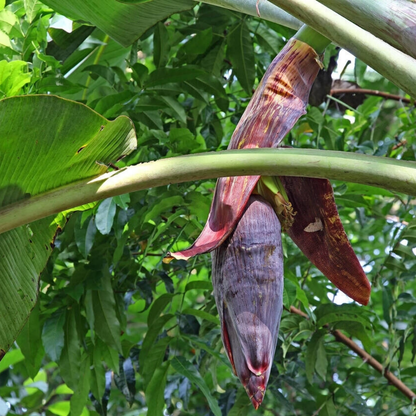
(115,330)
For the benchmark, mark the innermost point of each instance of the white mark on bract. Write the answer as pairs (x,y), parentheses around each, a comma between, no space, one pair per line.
(313,227)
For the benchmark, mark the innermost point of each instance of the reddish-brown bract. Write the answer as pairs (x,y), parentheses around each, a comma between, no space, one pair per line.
(279,101)
(247,275)
(326,245)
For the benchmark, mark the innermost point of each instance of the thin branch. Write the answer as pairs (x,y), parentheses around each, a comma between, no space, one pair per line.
(339,91)
(340,337)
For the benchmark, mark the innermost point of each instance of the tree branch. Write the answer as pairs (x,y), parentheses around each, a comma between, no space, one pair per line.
(339,91)
(340,337)
(392,174)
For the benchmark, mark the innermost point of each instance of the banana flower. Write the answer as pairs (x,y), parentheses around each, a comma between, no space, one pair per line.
(243,229)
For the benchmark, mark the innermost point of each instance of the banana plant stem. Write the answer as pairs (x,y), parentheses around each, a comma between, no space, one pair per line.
(385,59)
(312,38)
(392,174)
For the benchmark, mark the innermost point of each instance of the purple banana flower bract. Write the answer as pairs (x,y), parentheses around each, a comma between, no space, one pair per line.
(247,273)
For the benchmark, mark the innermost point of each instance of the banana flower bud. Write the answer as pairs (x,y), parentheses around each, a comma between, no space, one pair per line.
(247,275)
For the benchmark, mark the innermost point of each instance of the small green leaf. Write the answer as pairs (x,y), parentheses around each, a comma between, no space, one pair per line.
(122,201)
(64,44)
(201,314)
(289,294)
(329,408)
(395,264)
(330,312)
(301,295)
(158,306)
(161,45)
(97,374)
(30,9)
(214,60)
(241,53)
(151,336)
(105,216)
(11,358)
(13,77)
(154,359)
(321,364)
(109,355)
(155,391)
(199,43)
(314,352)
(60,408)
(140,73)
(53,335)
(30,342)
(267,38)
(80,396)
(184,367)
(163,76)
(387,298)
(89,310)
(242,404)
(70,360)
(106,323)
(100,71)
(212,85)
(356,329)
(85,235)
(196,340)
(175,108)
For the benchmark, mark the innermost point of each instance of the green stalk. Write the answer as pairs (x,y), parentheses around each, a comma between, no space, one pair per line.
(312,38)
(268,11)
(392,174)
(394,21)
(388,61)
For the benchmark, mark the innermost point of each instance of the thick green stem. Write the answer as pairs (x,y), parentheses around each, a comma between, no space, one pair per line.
(392,174)
(267,10)
(394,21)
(388,61)
(312,38)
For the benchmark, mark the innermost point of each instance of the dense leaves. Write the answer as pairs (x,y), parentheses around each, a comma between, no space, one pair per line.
(115,327)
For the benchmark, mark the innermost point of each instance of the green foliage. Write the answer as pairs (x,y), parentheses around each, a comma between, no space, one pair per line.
(116,331)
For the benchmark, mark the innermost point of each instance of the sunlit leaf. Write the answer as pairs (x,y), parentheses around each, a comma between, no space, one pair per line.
(123,22)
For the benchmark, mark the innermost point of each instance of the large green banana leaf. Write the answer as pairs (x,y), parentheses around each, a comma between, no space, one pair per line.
(45,143)
(123,22)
